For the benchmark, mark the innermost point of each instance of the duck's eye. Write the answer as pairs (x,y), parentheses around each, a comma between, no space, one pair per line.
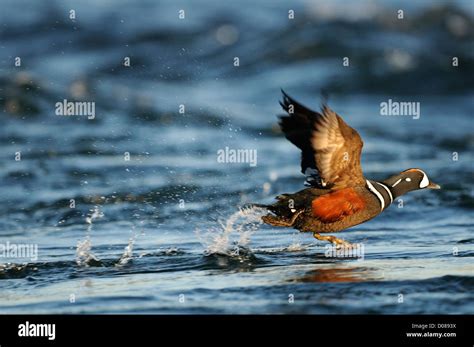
(408,179)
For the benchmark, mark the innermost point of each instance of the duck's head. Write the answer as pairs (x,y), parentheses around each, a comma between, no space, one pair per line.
(408,180)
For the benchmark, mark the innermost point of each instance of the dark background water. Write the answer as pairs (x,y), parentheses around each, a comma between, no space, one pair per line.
(166,226)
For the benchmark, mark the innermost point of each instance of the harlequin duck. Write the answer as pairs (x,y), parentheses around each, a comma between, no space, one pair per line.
(339,196)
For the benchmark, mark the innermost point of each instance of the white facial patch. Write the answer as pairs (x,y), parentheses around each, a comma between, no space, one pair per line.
(425,181)
(408,179)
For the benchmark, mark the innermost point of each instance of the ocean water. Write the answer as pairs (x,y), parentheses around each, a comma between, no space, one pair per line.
(131,212)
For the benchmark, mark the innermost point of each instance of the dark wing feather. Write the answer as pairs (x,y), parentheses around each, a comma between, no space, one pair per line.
(297,129)
(329,146)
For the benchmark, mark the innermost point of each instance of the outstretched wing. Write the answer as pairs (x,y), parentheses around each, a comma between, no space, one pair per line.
(330,148)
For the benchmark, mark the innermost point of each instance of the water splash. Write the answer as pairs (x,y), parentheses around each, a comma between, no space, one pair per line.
(233,235)
(84,255)
(128,252)
(96,214)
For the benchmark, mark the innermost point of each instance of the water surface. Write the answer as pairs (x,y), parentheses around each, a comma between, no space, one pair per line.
(162,232)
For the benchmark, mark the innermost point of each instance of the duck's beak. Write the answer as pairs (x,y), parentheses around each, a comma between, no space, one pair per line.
(432,185)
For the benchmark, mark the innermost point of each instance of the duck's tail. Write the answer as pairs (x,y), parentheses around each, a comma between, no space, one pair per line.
(280,208)
(251,205)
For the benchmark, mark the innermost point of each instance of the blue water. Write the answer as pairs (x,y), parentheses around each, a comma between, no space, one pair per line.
(162,232)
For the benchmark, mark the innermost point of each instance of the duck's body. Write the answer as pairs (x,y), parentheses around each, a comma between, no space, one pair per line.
(340,196)
(323,210)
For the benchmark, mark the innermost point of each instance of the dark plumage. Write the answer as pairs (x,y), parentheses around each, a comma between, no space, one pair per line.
(340,196)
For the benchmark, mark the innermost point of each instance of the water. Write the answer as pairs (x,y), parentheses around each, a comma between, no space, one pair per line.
(164,232)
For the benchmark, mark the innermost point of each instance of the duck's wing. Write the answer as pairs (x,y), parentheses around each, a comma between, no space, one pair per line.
(330,148)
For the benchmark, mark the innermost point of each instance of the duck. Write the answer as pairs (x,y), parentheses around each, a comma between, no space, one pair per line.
(338,195)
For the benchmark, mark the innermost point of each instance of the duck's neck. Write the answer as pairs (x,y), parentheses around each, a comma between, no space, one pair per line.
(397,186)
(382,191)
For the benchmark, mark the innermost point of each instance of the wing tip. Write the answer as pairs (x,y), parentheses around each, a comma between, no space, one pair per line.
(286,101)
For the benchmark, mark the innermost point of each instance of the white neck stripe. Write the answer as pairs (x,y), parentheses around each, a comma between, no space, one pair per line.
(377,194)
(393,185)
(388,191)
